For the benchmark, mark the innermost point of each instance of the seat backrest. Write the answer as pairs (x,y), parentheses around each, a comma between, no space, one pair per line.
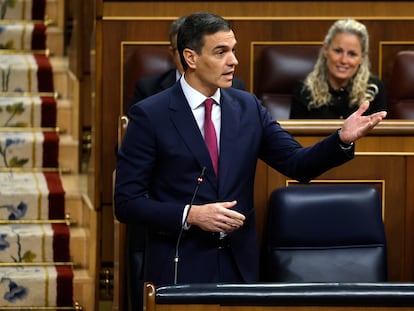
(278,69)
(142,61)
(401,88)
(326,233)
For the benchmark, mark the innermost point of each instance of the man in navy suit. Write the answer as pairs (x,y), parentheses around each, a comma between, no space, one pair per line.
(164,151)
(147,86)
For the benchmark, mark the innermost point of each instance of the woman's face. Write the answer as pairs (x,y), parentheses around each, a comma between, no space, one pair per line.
(343,57)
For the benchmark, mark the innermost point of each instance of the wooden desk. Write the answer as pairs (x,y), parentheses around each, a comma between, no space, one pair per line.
(281,296)
(384,158)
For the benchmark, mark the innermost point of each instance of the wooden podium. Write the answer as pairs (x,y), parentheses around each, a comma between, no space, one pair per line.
(280,297)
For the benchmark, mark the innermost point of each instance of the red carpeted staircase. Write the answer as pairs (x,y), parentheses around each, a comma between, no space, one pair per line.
(46,261)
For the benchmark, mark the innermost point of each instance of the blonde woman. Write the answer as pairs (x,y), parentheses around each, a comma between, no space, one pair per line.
(341,79)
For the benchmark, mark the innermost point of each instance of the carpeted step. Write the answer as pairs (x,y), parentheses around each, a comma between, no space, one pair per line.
(28,111)
(34,243)
(35,149)
(36,286)
(65,116)
(26,73)
(31,196)
(84,285)
(23,36)
(24,10)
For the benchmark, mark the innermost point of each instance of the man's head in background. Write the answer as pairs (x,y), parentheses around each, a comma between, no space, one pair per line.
(172,49)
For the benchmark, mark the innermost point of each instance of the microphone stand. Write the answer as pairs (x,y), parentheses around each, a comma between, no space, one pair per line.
(176,257)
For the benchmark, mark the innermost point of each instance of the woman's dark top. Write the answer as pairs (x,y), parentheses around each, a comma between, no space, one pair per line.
(338,107)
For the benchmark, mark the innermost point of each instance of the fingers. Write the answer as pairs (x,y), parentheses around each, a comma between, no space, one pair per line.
(379,115)
(216,217)
(375,118)
(229,220)
(364,107)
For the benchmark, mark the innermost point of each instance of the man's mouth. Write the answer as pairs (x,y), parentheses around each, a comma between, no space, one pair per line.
(229,75)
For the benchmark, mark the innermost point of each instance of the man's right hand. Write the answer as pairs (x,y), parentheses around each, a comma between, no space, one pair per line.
(216,217)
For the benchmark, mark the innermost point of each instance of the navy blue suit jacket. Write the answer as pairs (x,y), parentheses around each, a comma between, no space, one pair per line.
(163,153)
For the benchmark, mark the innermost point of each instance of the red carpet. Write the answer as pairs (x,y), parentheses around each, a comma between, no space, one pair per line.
(56,196)
(51,149)
(44,74)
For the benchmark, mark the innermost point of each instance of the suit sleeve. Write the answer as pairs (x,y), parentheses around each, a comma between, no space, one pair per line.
(133,199)
(282,152)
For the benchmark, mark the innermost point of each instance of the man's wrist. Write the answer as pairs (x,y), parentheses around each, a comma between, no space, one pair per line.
(185,224)
(343,145)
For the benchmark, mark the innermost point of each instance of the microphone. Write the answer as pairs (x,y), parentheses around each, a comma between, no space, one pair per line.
(176,257)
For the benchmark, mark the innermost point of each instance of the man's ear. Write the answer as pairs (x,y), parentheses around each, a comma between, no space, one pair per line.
(190,57)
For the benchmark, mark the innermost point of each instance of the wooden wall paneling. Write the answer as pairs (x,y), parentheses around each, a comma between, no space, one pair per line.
(409,224)
(265,9)
(116,34)
(256,30)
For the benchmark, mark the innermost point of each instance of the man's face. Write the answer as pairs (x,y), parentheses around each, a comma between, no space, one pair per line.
(214,67)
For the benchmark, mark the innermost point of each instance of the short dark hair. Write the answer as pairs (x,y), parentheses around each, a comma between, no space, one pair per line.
(195,27)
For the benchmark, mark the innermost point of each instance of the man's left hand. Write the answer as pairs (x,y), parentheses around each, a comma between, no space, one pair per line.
(357,125)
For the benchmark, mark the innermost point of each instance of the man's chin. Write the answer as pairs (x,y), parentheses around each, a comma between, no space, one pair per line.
(226,84)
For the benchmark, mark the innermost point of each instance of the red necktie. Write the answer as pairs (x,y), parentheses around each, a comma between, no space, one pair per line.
(210,136)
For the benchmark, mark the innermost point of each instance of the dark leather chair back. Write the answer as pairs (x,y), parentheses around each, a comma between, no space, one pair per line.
(279,68)
(142,61)
(326,233)
(401,90)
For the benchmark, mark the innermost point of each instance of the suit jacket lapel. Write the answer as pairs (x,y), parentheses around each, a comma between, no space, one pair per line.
(230,126)
(183,119)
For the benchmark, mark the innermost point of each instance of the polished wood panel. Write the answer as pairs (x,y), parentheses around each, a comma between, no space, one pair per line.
(268,9)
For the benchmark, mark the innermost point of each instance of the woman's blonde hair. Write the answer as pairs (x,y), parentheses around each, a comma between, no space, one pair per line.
(317,80)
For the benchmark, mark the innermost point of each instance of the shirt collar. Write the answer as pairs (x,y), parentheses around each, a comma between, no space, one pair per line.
(194,97)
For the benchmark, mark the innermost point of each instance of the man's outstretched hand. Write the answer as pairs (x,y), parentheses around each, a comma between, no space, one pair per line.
(357,125)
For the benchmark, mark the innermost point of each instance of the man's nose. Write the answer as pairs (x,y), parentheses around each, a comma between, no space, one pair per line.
(234,61)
